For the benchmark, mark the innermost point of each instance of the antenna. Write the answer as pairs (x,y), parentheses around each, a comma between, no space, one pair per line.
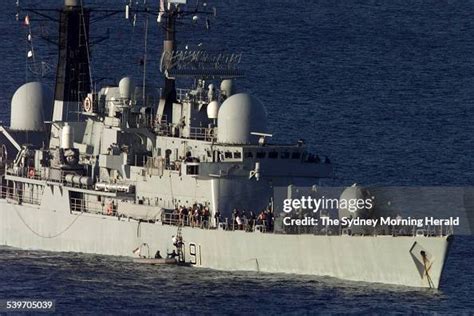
(145,57)
(18,8)
(31,51)
(261,139)
(86,35)
(170,13)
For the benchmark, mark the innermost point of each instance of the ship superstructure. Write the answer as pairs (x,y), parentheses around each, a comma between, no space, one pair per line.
(131,166)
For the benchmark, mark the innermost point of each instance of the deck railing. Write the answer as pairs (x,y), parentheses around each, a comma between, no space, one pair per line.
(108,208)
(186,220)
(19,195)
(252,225)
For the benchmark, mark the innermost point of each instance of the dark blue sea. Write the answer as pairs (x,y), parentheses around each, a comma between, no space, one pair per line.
(383,87)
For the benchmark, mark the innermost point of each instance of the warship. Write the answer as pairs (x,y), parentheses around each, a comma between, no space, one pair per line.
(130,170)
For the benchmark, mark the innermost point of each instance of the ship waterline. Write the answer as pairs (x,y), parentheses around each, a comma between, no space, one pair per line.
(383,258)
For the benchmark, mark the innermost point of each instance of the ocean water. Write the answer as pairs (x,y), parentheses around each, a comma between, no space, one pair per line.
(384,88)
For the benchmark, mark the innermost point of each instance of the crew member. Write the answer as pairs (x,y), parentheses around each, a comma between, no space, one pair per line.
(172,255)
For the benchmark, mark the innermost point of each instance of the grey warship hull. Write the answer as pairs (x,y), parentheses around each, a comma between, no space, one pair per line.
(98,171)
(384,259)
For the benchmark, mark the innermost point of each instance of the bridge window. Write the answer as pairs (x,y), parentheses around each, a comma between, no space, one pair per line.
(285,155)
(261,154)
(249,154)
(192,170)
(296,155)
(228,155)
(237,155)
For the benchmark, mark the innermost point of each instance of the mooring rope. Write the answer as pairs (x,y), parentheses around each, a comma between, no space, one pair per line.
(43,236)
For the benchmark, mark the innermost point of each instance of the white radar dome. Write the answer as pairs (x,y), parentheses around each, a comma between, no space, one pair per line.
(227,87)
(213,109)
(126,87)
(238,116)
(31,106)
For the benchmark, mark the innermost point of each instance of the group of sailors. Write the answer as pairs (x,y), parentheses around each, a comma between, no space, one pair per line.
(197,215)
(248,220)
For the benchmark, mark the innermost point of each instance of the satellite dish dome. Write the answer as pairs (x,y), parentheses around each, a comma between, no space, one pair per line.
(227,87)
(238,116)
(213,110)
(30,107)
(126,87)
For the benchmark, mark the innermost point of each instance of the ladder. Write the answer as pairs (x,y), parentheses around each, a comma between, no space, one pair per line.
(179,245)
